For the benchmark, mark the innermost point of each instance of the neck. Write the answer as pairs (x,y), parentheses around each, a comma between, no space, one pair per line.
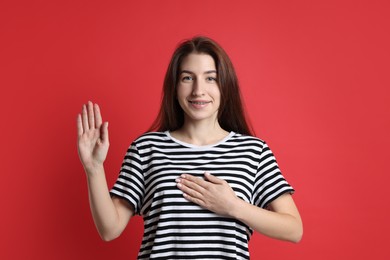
(200,134)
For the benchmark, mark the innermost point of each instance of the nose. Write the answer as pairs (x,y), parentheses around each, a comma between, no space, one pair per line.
(198,88)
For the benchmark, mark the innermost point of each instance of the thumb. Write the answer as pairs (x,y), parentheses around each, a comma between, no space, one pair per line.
(212,178)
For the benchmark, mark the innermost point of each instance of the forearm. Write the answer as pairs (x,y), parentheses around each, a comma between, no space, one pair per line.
(277,225)
(104,212)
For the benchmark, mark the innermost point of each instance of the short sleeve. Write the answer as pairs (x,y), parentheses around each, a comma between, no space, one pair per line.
(269,181)
(130,182)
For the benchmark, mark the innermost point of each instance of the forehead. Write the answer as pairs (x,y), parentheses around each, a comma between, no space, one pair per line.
(198,62)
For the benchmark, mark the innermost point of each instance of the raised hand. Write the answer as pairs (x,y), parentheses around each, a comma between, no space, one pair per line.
(213,193)
(92,135)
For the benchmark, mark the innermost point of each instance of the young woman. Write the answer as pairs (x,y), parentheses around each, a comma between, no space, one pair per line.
(201,181)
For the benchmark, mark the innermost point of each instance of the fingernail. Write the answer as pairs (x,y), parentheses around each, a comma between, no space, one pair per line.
(177,180)
(179,185)
(183,176)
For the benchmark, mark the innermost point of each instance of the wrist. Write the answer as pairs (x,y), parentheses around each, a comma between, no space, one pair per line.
(236,208)
(94,169)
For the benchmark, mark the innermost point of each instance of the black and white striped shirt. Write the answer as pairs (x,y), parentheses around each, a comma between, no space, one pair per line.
(175,228)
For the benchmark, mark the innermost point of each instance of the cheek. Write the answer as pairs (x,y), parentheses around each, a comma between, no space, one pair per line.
(180,89)
(180,97)
(181,102)
(179,93)
(183,91)
(217,94)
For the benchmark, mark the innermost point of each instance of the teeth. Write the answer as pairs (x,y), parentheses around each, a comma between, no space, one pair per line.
(198,103)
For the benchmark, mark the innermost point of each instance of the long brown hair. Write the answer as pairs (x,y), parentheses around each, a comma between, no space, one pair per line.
(231,116)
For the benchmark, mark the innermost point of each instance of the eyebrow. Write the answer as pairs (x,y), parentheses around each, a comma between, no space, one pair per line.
(190,72)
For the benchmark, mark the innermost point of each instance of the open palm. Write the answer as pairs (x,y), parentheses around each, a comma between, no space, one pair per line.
(92,134)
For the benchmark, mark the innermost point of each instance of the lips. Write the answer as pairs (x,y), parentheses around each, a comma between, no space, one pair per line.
(198,104)
(195,102)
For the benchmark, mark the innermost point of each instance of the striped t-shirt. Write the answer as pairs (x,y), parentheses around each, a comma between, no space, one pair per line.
(175,228)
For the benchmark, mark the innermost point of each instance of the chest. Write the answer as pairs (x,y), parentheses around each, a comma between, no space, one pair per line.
(161,169)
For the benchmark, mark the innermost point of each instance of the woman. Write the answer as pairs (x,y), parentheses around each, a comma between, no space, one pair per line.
(201,181)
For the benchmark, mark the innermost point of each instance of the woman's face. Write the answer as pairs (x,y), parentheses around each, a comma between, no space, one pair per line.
(197,91)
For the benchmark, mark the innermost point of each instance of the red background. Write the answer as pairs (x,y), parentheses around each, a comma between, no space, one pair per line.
(314,75)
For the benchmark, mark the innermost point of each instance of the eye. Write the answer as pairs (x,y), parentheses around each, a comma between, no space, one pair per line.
(186,78)
(211,79)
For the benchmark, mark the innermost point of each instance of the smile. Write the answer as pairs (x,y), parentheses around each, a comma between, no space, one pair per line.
(200,102)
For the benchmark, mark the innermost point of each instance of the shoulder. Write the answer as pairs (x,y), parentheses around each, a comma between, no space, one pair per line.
(248,139)
(152,138)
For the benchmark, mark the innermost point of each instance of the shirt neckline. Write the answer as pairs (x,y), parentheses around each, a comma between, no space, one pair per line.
(168,134)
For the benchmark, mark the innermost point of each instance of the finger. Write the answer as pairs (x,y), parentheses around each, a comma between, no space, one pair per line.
(91,116)
(194,200)
(200,182)
(98,116)
(189,191)
(85,119)
(104,135)
(213,179)
(190,186)
(79,126)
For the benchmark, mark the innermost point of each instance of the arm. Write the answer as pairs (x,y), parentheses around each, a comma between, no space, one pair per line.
(283,222)
(110,215)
